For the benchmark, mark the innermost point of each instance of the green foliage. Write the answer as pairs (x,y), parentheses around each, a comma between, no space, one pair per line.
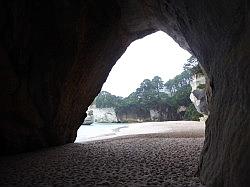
(193,66)
(181,96)
(155,94)
(107,100)
(192,114)
(178,82)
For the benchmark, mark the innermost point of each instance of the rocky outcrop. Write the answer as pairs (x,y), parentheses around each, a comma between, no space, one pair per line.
(133,115)
(56,55)
(161,113)
(198,95)
(102,115)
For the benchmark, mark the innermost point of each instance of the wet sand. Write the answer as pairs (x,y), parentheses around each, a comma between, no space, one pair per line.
(157,159)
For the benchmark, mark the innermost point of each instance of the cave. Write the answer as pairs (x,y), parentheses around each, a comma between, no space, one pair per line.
(55,57)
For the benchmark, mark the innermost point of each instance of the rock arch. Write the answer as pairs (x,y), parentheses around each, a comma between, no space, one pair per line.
(55,57)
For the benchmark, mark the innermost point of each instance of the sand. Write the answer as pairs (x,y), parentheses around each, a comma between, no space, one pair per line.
(157,159)
(189,128)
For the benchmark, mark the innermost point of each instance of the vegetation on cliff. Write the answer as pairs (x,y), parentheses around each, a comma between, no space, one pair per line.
(165,98)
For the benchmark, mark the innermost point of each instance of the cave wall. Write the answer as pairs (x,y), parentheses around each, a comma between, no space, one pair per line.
(55,57)
(49,55)
(218,34)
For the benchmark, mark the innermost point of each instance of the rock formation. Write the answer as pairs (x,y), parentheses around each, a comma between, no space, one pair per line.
(198,94)
(102,115)
(56,55)
(162,113)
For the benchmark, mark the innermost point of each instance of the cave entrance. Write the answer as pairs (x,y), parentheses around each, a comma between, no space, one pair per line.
(146,126)
(148,91)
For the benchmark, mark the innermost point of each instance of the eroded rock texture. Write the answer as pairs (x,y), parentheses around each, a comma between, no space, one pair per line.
(55,57)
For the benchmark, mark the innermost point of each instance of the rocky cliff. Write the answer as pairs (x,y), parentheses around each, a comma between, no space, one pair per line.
(198,94)
(163,113)
(102,115)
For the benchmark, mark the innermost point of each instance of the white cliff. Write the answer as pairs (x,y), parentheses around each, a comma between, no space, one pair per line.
(102,115)
(198,95)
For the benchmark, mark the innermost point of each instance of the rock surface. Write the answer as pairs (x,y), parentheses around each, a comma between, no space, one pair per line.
(163,113)
(102,115)
(198,95)
(55,56)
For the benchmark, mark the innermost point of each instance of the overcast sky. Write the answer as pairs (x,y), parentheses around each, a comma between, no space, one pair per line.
(155,54)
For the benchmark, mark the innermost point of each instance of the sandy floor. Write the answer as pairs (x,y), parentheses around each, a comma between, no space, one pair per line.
(158,159)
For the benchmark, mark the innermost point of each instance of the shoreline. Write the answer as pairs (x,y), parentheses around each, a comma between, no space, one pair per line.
(166,128)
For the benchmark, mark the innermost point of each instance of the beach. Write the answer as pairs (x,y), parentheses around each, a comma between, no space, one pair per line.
(100,131)
(168,156)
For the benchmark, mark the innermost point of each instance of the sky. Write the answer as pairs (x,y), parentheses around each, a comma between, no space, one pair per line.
(155,54)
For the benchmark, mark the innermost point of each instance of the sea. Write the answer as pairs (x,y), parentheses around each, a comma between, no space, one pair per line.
(98,130)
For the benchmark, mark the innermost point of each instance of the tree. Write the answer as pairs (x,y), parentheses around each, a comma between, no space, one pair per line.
(181,97)
(192,114)
(154,94)
(178,82)
(193,66)
(157,84)
(107,100)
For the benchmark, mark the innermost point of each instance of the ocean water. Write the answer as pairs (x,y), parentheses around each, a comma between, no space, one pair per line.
(96,130)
